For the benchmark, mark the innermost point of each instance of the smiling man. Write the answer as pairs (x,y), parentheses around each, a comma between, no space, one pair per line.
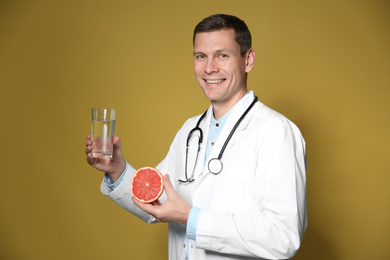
(221,69)
(239,194)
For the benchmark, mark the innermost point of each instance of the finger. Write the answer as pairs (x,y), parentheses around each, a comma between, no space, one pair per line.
(167,182)
(90,159)
(149,208)
(142,205)
(87,150)
(88,142)
(116,140)
(168,186)
(156,203)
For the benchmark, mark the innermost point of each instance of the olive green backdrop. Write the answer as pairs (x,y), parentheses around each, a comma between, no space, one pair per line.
(323,64)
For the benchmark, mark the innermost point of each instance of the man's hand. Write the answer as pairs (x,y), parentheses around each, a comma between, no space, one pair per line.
(114,167)
(175,209)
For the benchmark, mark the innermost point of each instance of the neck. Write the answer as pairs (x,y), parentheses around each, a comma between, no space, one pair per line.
(220,108)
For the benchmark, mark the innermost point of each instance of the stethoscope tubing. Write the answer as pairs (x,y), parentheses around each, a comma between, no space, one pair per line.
(214,161)
(235,127)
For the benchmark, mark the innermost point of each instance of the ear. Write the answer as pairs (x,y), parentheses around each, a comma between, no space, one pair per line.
(249,60)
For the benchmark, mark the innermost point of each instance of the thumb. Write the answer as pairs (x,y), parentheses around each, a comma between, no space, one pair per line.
(168,185)
(116,141)
(117,147)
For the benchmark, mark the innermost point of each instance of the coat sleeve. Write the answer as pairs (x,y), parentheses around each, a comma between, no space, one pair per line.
(122,196)
(274,225)
(122,193)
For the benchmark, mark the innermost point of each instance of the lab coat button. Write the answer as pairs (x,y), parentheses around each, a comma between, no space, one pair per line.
(192,246)
(184,245)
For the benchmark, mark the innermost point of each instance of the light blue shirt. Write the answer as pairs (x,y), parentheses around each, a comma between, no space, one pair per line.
(214,131)
(109,182)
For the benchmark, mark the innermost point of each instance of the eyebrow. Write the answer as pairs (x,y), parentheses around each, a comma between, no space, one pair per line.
(216,51)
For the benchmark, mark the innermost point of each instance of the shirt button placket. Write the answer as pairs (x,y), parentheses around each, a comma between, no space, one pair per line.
(191,253)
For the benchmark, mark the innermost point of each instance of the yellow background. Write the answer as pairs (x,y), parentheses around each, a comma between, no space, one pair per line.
(323,64)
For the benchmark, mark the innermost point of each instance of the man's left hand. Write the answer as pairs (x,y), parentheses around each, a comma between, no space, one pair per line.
(174,209)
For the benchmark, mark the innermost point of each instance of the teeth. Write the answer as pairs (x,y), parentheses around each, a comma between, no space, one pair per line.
(214,81)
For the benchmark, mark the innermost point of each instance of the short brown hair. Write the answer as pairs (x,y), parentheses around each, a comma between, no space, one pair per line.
(218,22)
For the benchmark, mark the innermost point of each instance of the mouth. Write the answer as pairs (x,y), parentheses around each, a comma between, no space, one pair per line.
(214,81)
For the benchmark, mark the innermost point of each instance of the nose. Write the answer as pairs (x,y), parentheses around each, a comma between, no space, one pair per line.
(211,66)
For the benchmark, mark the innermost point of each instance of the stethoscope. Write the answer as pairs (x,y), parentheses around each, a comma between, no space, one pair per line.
(215,165)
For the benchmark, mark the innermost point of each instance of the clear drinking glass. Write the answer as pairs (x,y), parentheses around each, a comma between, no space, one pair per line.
(102,131)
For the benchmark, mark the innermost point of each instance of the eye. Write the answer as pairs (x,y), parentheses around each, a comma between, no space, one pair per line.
(199,57)
(223,56)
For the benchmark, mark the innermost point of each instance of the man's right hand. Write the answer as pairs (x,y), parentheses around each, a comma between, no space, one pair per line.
(114,166)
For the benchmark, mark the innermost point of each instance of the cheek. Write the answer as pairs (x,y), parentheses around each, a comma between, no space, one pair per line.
(198,75)
(240,72)
(197,68)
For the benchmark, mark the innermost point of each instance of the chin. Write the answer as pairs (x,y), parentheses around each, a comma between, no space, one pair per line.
(211,95)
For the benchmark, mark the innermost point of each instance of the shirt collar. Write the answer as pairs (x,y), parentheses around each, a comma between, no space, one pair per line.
(221,122)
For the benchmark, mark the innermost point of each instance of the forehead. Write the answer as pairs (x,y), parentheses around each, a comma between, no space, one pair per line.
(215,40)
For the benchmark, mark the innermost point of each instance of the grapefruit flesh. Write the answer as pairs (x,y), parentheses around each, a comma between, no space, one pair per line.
(147,184)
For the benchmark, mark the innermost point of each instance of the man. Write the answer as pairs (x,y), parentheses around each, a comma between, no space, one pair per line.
(250,203)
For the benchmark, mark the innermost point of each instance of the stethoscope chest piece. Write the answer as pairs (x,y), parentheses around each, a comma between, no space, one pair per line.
(215,166)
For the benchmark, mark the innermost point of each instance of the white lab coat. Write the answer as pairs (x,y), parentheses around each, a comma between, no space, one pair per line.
(256,207)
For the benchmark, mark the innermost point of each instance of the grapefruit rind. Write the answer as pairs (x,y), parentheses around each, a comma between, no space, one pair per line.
(147,184)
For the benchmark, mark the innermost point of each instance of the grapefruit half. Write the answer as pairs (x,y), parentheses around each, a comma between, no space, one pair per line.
(147,184)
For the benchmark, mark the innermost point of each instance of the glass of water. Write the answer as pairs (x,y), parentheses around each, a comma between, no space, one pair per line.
(102,132)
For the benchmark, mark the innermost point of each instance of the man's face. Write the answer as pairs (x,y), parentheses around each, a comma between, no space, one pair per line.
(219,67)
